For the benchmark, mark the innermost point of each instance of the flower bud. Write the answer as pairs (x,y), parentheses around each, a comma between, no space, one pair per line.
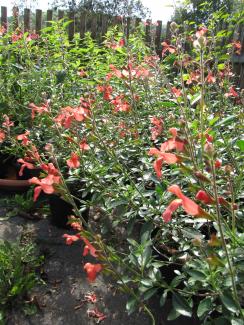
(228,169)
(209,149)
(48,147)
(202,41)
(173,26)
(196,241)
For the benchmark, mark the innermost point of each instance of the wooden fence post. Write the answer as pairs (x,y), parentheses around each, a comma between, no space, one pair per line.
(137,22)
(15,17)
(83,18)
(128,22)
(104,24)
(158,36)
(71,27)
(93,25)
(49,18)
(26,19)
(148,31)
(60,14)
(168,31)
(4,17)
(38,21)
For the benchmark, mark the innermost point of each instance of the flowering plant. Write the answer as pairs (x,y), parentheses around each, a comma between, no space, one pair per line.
(159,155)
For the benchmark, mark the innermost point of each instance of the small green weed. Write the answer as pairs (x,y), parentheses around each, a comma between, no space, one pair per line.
(18,275)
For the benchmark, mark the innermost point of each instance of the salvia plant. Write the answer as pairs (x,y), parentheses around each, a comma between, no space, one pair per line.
(156,143)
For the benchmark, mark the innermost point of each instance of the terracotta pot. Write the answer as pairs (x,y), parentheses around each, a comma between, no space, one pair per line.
(14,185)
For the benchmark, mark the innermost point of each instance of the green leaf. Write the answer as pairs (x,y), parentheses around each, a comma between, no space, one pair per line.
(196,275)
(168,104)
(226,120)
(173,314)
(237,321)
(149,293)
(146,231)
(131,305)
(229,302)
(163,298)
(240,144)
(204,306)
(181,305)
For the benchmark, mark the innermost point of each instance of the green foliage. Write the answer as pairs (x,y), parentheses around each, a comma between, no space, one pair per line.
(17,274)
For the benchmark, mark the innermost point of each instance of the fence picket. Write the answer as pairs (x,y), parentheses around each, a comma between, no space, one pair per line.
(158,35)
(71,27)
(60,14)
(38,21)
(26,19)
(148,31)
(15,17)
(4,17)
(49,17)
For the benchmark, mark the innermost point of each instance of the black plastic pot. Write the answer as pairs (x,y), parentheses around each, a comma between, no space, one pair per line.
(62,210)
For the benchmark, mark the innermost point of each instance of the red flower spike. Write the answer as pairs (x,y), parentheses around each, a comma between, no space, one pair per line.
(167,215)
(204,197)
(92,270)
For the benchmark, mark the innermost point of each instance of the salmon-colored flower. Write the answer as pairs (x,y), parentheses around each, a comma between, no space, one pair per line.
(7,122)
(89,248)
(50,169)
(166,157)
(92,270)
(168,48)
(70,239)
(45,184)
(231,93)
(74,161)
(167,215)
(24,138)
(158,127)
(176,92)
(83,145)
(188,205)
(44,108)
(2,136)
(24,165)
(211,79)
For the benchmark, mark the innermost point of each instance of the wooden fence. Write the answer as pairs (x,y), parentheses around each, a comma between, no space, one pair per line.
(98,24)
